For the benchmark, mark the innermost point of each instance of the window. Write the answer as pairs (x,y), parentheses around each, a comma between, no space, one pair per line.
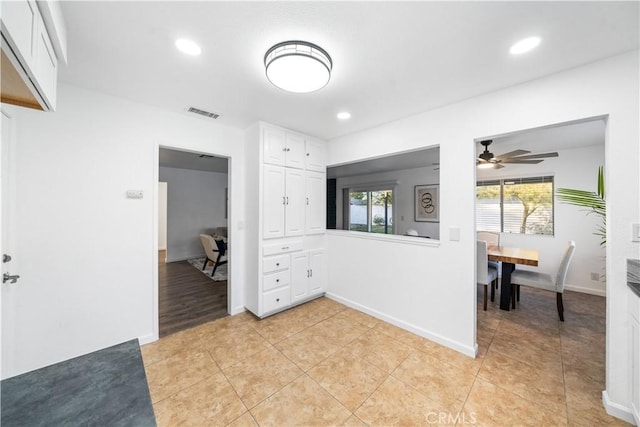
(523,205)
(371,211)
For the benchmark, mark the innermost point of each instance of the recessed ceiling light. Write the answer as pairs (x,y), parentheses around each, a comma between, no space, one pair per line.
(344,115)
(188,46)
(524,45)
(298,66)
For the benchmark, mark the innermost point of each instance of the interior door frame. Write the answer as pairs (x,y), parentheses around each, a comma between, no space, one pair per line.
(155,201)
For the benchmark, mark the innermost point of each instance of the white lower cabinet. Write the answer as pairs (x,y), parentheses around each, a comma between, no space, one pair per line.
(635,368)
(306,274)
(277,299)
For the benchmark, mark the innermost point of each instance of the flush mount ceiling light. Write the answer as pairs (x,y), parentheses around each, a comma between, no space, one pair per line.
(345,115)
(298,66)
(188,46)
(525,45)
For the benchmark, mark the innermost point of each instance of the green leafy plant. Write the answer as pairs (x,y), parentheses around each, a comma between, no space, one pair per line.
(593,202)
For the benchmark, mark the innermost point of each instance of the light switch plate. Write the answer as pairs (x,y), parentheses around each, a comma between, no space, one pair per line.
(454,234)
(135,194)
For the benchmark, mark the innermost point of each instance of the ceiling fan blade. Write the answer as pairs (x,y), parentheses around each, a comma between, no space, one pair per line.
(511,154)
(497,166)
(538,156)
(522,162)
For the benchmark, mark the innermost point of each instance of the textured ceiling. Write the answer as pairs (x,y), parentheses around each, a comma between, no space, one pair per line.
(391,59)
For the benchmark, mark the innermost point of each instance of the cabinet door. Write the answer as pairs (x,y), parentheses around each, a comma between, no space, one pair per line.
(45,66)
(295,152)
(316,271)
(273,202)
(19,21)
(299,276)
(295,202)
(274,146)
(635,368)
(315,156)
(316,203)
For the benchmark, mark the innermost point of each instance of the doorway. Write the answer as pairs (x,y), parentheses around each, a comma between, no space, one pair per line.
(192,200)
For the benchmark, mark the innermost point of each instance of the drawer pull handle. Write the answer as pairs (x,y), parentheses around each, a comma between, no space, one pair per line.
(277,264)
(277,280)
(284,248)
(277,299)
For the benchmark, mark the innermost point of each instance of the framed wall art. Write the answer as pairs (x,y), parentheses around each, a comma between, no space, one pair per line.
(427,203)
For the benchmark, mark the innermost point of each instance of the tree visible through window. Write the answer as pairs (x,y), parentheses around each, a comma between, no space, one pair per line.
(523,206)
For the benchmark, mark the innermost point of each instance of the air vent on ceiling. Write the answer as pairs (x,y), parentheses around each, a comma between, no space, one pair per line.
(203,112)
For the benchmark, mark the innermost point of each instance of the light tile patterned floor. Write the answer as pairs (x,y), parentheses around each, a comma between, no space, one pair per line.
(325,364)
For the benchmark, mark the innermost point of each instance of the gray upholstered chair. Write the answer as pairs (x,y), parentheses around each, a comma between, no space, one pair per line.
(215,251)
(492,239)
(486,275)
(545,281)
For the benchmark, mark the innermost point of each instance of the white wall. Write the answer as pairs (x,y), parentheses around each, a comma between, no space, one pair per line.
(403,207)
(195,204)
(162,216)
(87,253)
(444,303)
(576,168)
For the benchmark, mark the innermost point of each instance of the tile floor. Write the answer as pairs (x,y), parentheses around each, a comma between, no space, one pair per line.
(325,364)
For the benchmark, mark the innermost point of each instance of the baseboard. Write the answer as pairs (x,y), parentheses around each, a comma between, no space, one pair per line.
(617,410)
(466,350)
(183,258)
(146,339)
(591,291)
(237,310)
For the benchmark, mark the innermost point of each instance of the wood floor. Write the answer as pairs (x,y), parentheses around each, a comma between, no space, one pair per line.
(187,297)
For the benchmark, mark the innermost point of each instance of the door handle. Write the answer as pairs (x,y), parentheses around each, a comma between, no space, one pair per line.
(6,277)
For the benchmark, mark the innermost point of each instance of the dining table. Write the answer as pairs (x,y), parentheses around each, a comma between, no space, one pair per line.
(509,257)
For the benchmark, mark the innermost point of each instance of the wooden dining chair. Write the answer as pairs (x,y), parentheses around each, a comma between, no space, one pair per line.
(545,281)
(486,275)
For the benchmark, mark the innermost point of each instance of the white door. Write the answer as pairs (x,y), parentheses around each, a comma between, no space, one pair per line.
(273,202)
(295,154)
(316,271)
(316,204)
(315,160)
(299,276)
(273,141)
(295,202)
(7,246)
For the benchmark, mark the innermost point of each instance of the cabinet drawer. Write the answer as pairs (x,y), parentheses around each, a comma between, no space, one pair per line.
(281,248)
(276,299)
(275,280)
(275,263)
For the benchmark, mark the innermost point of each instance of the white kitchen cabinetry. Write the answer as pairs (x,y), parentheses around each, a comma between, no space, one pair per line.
(634,311)
(284,202)
(316,203)
(286,261)
(315,156)
(30,62)
(283,148)
(307,274)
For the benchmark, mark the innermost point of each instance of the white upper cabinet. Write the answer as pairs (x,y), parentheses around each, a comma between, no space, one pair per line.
(274,200)
(315,156)
(295,202)
(274,146)
(19,22)
(295,152)
(316,210)
(30,61)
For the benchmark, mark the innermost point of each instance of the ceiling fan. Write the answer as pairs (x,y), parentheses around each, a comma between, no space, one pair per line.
(488,160)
